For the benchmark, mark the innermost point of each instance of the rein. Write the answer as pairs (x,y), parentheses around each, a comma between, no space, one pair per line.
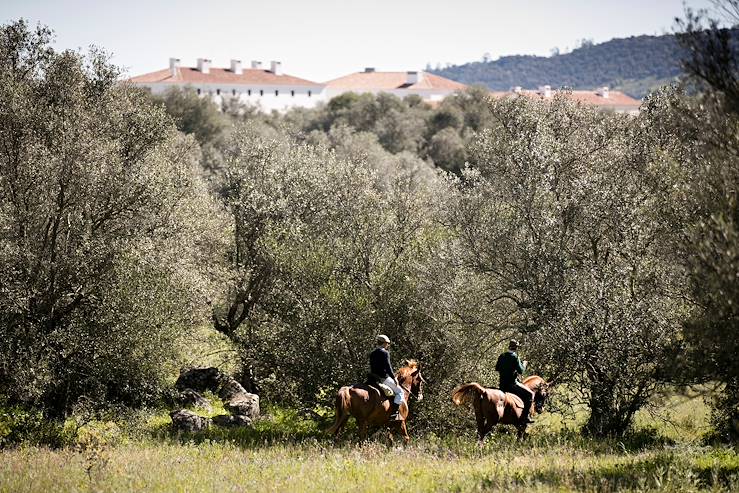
(408,389)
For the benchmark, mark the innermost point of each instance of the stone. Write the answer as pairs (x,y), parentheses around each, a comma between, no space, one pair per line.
(200,379)
(230,388)
(184,420)
(245,404)
(229,421)
(190,398)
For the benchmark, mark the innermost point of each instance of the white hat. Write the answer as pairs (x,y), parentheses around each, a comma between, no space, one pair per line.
(382,338)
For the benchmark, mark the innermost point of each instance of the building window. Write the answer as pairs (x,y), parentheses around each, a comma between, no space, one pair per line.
(248,92)
(309,94)
(233,92)
(198,91)
(292,93)
(277,93)
(261,92)
(218,92)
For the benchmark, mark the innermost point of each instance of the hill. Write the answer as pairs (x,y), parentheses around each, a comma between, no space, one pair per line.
(633,65)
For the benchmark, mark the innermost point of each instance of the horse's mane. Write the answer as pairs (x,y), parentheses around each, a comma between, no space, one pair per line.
(533,381)
(410,366)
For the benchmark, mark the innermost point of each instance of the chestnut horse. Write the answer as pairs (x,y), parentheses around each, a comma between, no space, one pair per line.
(369,408)
(493,406)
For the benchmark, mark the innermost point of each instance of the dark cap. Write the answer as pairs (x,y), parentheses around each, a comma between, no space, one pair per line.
(513,344)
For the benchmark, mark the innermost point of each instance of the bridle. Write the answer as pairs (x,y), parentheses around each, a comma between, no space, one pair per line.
(408,389)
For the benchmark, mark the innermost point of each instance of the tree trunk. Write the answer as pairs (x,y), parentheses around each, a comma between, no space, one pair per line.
(608,416)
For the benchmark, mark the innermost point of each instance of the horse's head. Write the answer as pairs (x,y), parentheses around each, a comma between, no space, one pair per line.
(541,393)
(540,387)
(410,378)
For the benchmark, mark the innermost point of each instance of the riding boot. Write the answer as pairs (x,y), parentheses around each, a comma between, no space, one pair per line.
(525,418)
(394,412)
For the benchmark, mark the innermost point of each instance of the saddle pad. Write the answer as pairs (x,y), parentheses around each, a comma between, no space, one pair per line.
(513,400)
(386,390)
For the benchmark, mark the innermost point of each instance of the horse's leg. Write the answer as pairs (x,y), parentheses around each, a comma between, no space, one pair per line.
(521,432)
(487,429)
(404,431)
(363,430)
(480,419)
(340,426)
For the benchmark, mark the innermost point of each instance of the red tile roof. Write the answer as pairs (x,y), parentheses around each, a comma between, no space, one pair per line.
(250,76)
(387,81)
(615,98)
(594,98)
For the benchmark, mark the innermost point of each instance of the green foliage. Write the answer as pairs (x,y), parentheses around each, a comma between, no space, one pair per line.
(326,256)
(710,243)
(195,115)
(29,426)
(382,126)
(557,222)
(102,262)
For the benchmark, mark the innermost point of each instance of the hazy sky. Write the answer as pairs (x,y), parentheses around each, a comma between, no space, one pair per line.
(323,39)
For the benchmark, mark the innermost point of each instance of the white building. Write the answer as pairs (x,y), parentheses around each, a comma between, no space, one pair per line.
(267,89)
(429,87)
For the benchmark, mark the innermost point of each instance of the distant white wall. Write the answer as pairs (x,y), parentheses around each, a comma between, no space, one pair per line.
(287,97)
(426,94)
(267,98)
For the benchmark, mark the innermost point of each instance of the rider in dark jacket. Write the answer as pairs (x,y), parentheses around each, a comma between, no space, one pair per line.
(510,367)
(381,367)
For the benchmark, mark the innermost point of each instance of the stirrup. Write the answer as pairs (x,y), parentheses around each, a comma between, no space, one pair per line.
(395,413)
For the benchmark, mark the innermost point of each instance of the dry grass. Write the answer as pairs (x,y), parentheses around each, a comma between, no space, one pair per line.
(289,453)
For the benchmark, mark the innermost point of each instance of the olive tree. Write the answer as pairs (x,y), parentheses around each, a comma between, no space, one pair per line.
(104,227)
(711,241)
(556,221)
(327,254)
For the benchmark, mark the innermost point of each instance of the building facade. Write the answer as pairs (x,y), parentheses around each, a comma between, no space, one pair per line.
(272,89)
(430,87)
(265,89)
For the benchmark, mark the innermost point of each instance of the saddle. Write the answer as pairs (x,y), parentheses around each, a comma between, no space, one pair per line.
(510,398)
(374,382)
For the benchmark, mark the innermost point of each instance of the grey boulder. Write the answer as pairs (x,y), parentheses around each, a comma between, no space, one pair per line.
(244,404)
(190,398)
(232,421)
(185,420)
(200,379)
(230,388)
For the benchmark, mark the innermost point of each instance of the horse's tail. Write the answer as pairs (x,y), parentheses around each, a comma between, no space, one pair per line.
(341,403)
(464,393)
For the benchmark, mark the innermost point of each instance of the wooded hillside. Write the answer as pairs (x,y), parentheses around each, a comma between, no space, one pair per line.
(634,65)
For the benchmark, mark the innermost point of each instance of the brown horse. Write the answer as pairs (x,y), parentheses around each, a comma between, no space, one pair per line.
(369,408)
(493,406)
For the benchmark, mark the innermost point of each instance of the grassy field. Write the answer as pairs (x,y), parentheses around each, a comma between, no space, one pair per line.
(286,452)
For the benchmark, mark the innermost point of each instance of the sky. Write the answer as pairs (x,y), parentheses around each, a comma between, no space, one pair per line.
(323,39)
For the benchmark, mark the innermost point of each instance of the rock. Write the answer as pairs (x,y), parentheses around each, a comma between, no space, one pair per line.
(189,397)
(185,420)
(200,379)
(245,404)
(232,421)
(230,388)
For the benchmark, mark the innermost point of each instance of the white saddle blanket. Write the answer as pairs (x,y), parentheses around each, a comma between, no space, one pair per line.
(387,390)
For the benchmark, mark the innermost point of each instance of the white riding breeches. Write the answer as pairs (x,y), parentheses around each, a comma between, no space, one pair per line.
(396,388)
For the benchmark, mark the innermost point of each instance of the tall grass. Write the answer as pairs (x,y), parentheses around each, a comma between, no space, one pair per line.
(287,451)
